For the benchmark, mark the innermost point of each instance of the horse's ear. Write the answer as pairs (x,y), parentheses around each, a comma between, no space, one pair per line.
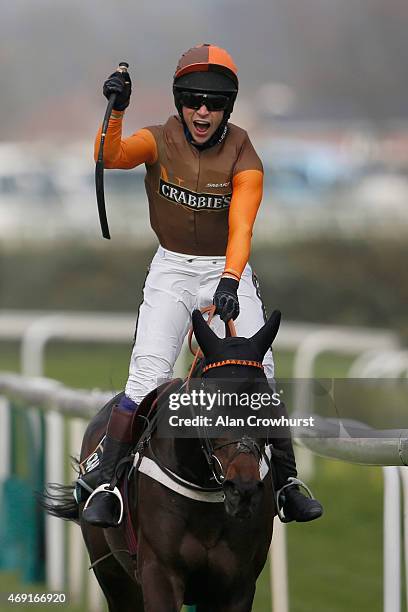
(209,341)
(266,335)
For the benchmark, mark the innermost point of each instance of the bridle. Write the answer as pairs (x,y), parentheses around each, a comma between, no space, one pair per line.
(224,362)
(244,444)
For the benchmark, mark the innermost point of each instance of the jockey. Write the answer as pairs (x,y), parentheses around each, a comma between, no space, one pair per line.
(204,185)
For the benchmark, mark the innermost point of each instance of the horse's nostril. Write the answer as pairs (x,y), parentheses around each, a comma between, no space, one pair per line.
(239,491)
(231,490)
(228,485)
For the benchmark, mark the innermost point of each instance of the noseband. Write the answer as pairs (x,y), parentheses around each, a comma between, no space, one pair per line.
(243,445)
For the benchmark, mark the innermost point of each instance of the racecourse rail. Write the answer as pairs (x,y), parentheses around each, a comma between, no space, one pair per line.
(66,411)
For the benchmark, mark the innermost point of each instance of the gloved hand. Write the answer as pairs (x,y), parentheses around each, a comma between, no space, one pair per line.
(226,300)
(120,84)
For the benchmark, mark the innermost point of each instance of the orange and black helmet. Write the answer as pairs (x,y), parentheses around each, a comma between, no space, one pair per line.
(211,66)
(206,68)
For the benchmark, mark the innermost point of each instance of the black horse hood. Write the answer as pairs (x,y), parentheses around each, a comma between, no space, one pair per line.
(218,349)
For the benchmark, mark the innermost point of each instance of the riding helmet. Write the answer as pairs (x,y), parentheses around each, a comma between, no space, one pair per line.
(209,69)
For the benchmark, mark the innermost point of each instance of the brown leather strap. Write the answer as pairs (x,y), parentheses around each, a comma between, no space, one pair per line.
(230,326)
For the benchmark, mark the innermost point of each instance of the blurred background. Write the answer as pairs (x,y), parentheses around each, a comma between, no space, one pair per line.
(323,95)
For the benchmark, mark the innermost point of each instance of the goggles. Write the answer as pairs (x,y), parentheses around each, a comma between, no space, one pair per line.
(213,102)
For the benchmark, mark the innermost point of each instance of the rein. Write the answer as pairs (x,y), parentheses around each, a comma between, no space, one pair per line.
(230,326)
(231,331)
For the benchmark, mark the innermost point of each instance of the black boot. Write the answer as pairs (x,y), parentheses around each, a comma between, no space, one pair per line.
(298,507)
(293,505)
(104,507)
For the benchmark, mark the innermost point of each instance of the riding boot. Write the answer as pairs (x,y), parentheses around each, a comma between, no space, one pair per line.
(104,507)
(294,506)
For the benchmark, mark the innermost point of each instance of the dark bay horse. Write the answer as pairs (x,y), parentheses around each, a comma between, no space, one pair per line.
(199,542)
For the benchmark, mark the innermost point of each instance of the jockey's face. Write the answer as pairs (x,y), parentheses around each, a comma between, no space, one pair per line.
(202,123)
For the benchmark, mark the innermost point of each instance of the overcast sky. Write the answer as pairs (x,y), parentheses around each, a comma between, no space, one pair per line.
(340,59)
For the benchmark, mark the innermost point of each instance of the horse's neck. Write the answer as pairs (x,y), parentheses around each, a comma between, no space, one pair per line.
(185,457)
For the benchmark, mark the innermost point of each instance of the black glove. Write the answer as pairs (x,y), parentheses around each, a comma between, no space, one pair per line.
(120,84)
(225,299)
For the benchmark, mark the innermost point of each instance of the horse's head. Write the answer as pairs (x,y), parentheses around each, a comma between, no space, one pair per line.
(235,461)
(234,348)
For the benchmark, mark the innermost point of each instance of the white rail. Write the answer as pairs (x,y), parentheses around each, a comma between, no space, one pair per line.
(355,442)
(380,364)
(36,328)
(392,540)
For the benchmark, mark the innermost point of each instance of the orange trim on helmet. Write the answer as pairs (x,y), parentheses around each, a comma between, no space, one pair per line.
(220,57)
(192,68)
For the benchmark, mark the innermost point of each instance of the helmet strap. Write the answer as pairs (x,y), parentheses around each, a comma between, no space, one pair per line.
(218,135)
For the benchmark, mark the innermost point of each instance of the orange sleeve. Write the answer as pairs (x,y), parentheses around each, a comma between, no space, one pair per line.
(247,187)
(140,148)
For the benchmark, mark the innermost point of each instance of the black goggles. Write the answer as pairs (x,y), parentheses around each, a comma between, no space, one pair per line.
(213,102)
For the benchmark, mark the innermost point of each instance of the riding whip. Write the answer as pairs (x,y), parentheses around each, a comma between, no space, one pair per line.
(100,193)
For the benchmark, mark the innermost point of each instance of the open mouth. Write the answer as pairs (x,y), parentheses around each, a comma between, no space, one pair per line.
(201,127)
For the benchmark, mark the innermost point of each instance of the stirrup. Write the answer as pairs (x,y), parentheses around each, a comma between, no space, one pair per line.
(115,491)
(292,481)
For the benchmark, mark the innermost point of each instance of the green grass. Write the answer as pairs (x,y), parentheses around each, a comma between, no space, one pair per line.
(335,563)
(338,558)
(77,365)
(9,356)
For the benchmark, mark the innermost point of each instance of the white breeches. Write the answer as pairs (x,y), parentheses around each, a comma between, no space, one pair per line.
(175,285)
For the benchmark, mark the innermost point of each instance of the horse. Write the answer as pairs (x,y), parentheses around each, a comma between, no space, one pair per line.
(204,528)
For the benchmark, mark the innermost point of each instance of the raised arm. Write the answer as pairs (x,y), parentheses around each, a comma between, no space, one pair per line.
(124,153)
(128,152)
